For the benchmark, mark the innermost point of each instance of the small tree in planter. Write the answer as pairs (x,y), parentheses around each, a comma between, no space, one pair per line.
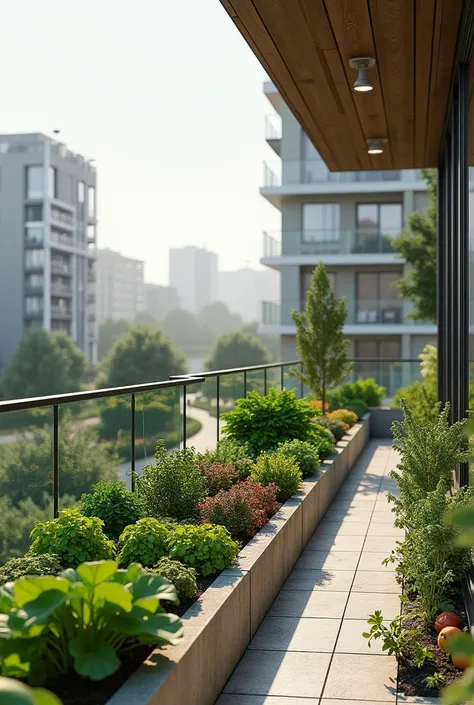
(320,342)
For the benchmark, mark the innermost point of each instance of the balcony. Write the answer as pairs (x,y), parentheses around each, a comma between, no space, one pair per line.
(34,313)
(61,290)
(273,132)
(61,312)
(328,242)
(316,172)
(59,267)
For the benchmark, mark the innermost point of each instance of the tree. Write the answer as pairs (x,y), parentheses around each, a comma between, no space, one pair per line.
(110,331)
(145,318)
(320,342)
(219,319)
(418,245)
(143,355)
(237,350)
(186,330)
(43,363)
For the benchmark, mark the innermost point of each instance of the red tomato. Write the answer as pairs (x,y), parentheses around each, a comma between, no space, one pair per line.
(447,619)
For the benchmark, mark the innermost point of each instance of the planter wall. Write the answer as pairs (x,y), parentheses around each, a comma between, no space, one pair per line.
(381,421)
(220,625)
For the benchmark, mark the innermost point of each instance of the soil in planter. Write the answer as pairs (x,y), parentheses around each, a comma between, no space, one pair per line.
(410,678)
(74,690)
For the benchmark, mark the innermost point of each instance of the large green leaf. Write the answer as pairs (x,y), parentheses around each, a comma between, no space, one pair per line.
(44,697)
(95,662)
(154,586)
(96,572)
(39,611)
(463,519)
(127,575)
(115,593)
(165,627)
(28,589)
(461,691)
(7,599)
(14,693)
(460,644)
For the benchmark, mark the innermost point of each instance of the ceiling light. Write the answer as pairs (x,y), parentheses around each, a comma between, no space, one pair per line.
(362,65)
(375,145)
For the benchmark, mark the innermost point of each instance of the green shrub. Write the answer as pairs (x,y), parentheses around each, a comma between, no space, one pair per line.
(263,422)
(156,414)
(143,542)
(174,485)
(304,452)
(421,399)
(280,470)
(347,417)
(366,390)
(115,505)
(229,452)
(324,441)
(46,564)
(181,576)
(73,538)
(336,427)
(207,547)
(83,621)
(358,406)
(219,477)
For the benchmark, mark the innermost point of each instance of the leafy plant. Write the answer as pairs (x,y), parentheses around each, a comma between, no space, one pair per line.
(46,564)
(395,638)
(337,428)
(243,509)
(73,538)
(421,399)
(280,470)
(115,505)
(421,654)
(230,452)
(219,477)
(365,390)
(174,485)
(12,692)
(143,542)
(304,452)
(347,417)
(208,547)
(263,422)
(435,681)
(82,621)
(181,576)
(321,344)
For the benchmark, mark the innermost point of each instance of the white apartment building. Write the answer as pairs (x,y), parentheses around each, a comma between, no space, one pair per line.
(193,273)
(121,288)
(244,290)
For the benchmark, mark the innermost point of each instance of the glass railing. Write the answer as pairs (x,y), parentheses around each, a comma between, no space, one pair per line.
(313,172)
(61,290)
(328,242)
(59,311)
(60,267)
(272,127)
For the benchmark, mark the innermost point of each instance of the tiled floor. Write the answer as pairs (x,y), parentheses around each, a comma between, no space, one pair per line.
(309,649)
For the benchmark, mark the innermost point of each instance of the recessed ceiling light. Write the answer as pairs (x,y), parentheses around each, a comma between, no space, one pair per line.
(362,65)
(375,145)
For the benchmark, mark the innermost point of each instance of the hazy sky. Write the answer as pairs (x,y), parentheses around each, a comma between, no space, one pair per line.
(167,97)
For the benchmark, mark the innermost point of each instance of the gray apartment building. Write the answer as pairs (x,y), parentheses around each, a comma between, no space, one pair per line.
(48,234)
(120,286)
(193,273)
(346,220)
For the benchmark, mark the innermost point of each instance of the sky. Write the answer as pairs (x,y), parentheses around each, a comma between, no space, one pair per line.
(167,97)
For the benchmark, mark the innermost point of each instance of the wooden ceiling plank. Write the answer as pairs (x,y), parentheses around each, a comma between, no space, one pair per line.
(350,21)
(424,27)
(393,28)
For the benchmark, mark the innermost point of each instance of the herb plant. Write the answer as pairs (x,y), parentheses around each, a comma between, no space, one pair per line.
(208,547)
(115,505)
(395,639)
(46,564)
(82,621)
(143,542)
(263,422)
(344,415)
(73,538)
(337,427)
(181,576)
(230,452)
(304,452)
(279,470)
(436,681)
(173,485)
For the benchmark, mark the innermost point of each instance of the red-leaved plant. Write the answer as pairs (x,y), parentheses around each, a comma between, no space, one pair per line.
(243,509)
(219,477)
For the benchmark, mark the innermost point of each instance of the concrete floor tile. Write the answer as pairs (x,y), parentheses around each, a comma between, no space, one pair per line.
(309,603)
(376,544)
(376,581)
(265,700)
(348,515)
(334,543)
(351,641)
(373,561)
(276,673)
(363,604)
(324,560)
(325,701)
(342,528)
(332,580)
(361,677)
(384,528)
(416,700)
(296,634)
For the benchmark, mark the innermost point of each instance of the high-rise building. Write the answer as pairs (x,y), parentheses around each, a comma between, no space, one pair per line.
(120,286)
(243,291)
(193,273)
(346,220)
(48,234)
(160,299)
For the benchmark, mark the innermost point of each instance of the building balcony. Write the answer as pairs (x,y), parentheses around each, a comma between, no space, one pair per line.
(61,290)
(328,242)
(37,313)
(61,312)
(273,132)
(60,267)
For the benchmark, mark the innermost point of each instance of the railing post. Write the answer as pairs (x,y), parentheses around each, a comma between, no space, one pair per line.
(218,405)
(265,381)
(301,383)
(245,383)
(132,441)
(282,377)
(184,416)
(56,461)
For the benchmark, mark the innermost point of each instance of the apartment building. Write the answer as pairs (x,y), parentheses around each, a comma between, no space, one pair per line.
(48,235)
(243,290)
(121,289)
(160,299)
(193,273)
(347,221)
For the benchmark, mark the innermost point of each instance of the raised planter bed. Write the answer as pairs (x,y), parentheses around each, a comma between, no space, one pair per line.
(221,623)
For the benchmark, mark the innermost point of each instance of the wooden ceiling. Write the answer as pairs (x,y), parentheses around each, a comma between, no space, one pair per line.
(305,46)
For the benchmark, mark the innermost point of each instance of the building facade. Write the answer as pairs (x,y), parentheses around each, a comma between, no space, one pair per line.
(346,220)
(120,287)
(48,235)
(244,290)
(160,299)
(193,273)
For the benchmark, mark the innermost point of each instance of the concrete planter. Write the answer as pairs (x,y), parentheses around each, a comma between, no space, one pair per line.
(220,625)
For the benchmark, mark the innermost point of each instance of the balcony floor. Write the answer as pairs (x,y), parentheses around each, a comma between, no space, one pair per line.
(309,649)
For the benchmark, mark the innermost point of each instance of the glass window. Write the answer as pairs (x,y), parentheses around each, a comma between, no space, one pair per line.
(52,183)
(34,182)
(33,304)
(81,192)
(34,258)
(34,214)
(91,202)
(91,232)
(321,222)
(34,234)
(377,299)
(391,218)
(367,216)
